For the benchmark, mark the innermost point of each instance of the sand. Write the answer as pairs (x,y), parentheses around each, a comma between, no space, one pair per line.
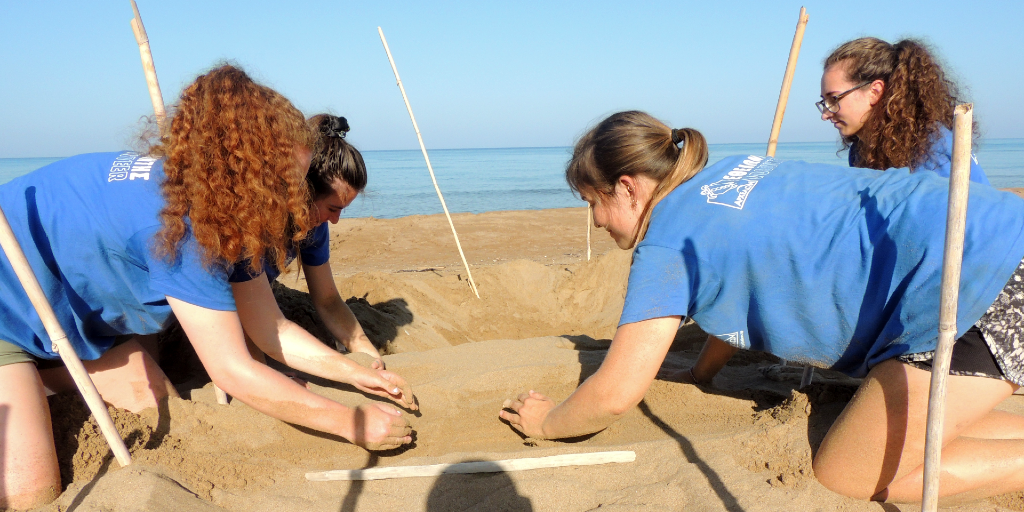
(543,322)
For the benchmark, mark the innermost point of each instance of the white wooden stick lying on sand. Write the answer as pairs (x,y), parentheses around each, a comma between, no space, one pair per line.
(148,67)
(60,342)
(497,466)
(952,258)
(427,158)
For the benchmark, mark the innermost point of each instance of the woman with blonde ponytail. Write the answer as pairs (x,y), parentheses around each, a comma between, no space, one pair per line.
(829,266)
(892,105)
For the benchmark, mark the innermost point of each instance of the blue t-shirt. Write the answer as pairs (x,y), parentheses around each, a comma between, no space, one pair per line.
(86,225)
(829,266)
(940,157)
(314,251)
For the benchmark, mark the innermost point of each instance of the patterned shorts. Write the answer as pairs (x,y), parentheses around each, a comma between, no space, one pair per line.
(994,346)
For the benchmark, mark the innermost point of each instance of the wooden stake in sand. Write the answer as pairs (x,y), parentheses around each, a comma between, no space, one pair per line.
(60,342)
(497,466)
(148,67)
(158,106)
(590,222)
(780,111)
(427,158)
(952,258)
(787,81)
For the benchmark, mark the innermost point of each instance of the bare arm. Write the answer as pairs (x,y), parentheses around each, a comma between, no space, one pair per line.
(335,313)
(711,360)
(220,344)
(633,359)
(289,343)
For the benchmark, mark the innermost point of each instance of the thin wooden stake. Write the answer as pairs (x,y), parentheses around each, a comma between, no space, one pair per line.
(780,111)
(148,67)
(222,397)
(590,222)
(157,97)
(59,340)
(497,466)
(952,258)
(787,81)
(427,158)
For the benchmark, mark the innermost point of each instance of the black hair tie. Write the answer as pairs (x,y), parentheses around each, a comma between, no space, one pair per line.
(676,137)
(336,127)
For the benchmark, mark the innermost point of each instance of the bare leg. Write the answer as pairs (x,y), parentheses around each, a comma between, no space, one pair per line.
(126,377)
(875,450)
(28,460)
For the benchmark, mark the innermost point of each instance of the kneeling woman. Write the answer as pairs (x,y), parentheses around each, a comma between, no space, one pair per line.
(837,268)
(120,241)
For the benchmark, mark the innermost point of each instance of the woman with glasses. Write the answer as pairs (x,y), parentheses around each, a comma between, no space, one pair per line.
(893,106)
(830,266)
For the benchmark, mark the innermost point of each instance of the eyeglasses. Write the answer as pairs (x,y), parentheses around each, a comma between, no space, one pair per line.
(831,104)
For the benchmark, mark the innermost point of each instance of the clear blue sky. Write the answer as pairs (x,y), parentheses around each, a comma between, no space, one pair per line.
(479,74)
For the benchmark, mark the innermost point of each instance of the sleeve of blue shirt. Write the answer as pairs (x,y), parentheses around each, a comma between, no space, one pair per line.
(940,159)
(315,251)
(187,279)
(661,283)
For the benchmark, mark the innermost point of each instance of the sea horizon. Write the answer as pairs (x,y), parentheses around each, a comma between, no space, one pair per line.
(476,180)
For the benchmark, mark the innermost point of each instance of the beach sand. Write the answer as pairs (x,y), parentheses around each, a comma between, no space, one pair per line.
(543,322)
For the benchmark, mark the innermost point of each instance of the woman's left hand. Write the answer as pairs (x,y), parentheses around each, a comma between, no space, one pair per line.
(365,347)
(526,413)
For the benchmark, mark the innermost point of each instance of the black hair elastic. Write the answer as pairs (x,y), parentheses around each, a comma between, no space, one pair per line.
(676,138)
(336,127)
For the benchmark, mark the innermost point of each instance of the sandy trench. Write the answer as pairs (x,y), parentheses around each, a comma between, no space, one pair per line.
(543,322)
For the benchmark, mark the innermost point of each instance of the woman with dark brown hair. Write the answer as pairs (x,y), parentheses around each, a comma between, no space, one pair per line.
(829,266)
(336,175)
(121,241)
(893,106)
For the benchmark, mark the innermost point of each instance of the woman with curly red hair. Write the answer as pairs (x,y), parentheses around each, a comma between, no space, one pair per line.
(121,241)
(893,106)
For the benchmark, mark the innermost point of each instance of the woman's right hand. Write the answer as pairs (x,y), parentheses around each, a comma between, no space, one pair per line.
(384,384)
(380,427)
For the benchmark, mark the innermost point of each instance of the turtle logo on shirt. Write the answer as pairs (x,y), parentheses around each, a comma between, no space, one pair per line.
(736,339)
(734,188)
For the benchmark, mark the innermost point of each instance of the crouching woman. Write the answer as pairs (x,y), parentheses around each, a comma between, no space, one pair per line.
(838,268)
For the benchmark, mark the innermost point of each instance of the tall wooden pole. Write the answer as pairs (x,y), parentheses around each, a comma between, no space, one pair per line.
(952,258)
(787,81)
(148,67)
(59,340)
(427,158)
(780,111)
(590,222)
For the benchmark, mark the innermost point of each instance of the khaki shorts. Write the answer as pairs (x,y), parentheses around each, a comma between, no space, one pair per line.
(11,354)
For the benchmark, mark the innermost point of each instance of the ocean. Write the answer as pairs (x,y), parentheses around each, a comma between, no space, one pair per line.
(481,180)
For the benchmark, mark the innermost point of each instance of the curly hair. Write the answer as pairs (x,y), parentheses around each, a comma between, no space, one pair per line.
(333,157)
(234,177)
(917,101)
(634,143)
